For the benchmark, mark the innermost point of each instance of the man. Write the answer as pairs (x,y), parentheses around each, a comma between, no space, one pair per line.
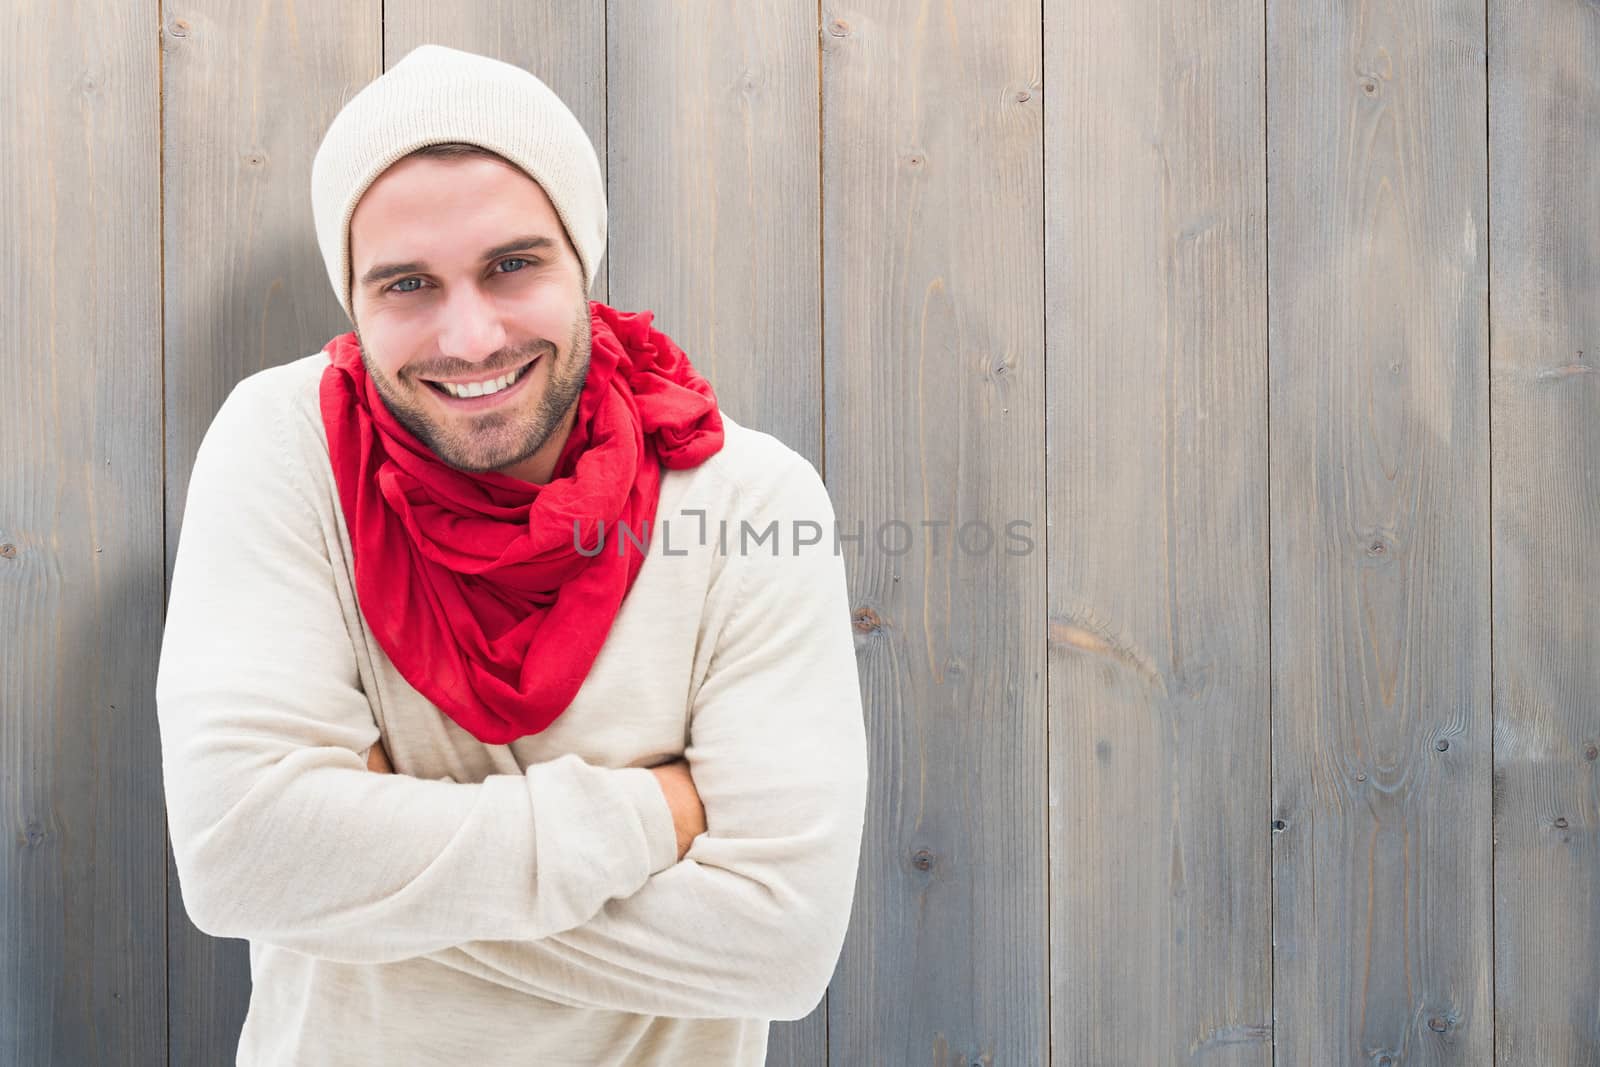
(500,541)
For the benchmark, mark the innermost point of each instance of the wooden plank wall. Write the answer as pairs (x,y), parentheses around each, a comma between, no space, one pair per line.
(1158,582)
(1378,337)
(82,866)
(1265,733)
(933,350)
(1544,345)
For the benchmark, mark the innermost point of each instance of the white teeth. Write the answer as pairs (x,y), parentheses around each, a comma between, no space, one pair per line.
(482,388)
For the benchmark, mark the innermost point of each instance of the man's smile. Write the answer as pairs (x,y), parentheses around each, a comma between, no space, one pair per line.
(481,391)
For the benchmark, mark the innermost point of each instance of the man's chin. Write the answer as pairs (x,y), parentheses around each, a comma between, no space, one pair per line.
(475,461)
(482,461)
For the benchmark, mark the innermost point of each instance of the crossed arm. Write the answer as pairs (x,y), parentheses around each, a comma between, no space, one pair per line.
(677,785)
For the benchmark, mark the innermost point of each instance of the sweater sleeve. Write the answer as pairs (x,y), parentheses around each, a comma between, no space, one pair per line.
(752,923)
(279,832)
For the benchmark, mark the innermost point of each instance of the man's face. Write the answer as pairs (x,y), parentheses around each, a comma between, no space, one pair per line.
(463,273)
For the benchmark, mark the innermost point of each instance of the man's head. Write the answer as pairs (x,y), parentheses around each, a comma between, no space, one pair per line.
(463,274)
(444,166)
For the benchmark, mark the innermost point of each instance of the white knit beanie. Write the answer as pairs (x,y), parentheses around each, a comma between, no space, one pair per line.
(437,94)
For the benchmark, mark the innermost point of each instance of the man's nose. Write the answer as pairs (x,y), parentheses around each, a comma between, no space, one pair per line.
(472,329)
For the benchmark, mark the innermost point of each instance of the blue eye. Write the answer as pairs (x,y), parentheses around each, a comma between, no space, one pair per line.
(395,288)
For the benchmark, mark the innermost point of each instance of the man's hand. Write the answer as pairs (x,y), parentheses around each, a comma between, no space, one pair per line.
(688,815)
(378,758)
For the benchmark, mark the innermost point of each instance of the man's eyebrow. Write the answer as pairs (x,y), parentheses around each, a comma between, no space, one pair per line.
(384,271)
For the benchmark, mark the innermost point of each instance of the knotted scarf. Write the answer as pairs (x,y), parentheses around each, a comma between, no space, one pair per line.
(474,584)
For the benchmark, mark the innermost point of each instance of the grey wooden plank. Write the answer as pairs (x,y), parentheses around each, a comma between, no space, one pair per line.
(247,94)
(1544,222)
(82,873)
(1381,727)
(715,227)
(1158,593)
(933,284)
(714,198)
(564,44)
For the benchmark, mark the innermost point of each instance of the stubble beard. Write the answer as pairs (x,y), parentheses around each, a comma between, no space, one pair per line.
(493,440)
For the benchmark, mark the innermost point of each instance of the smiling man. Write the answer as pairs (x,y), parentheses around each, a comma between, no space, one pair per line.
(500,543)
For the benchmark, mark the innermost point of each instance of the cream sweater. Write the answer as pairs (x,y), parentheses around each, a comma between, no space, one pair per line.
(520,903)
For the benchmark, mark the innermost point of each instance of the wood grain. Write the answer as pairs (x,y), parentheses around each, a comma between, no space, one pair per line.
(1544,170)
(1159,683)
(82,869)
(934,347)
(1381,716)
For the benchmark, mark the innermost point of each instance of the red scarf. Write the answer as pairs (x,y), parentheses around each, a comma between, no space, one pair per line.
(473,583)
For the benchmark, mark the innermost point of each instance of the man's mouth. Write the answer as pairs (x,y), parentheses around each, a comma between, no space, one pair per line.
(469,390)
